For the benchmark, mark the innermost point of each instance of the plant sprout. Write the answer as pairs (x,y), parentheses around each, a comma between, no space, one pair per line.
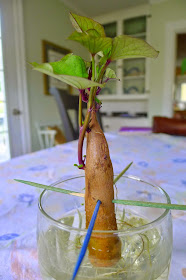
(89,78)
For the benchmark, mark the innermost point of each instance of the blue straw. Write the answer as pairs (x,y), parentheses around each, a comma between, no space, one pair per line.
(86,241)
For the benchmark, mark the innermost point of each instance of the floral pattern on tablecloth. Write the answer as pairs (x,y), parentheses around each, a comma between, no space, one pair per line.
(160,159)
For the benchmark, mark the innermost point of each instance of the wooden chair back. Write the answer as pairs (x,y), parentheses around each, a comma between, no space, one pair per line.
(66,102)
(46,137)
(170,126)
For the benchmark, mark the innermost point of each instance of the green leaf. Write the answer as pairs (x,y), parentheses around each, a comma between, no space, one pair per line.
(103,60)
(128,47)
(77,82)
(98,101)
(82,24)
(70,64)
(79,166)
(92,32)
(92,43)
(109,73)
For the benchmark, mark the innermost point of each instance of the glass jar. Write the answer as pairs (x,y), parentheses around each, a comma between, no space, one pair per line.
(145,233)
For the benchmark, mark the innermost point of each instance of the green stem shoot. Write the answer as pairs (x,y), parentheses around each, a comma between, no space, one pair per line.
(150,204)
(122,172)
(118,201)
(50,188)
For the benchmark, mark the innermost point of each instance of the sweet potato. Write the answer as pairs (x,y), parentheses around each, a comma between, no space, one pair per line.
(104,248)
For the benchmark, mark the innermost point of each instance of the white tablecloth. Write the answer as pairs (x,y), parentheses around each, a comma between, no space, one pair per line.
(157,158)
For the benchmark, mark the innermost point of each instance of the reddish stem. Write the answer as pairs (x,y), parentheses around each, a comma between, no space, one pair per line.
(81,140)
(87,117)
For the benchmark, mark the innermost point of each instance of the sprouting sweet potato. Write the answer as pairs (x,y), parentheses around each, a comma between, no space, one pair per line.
(104,248)
(89,77)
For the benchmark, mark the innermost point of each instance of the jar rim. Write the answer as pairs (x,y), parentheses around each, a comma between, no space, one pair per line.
(131,231)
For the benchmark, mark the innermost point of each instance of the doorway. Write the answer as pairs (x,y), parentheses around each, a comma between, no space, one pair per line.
(180,77)
(14,113)
(171,32)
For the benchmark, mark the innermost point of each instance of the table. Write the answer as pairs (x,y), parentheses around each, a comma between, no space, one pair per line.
(157,158)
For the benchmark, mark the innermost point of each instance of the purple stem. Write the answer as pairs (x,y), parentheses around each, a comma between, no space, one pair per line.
(84,97)
(98,106)
(106,80)
(84,128)
(90,73)
(80,149)
(98,90)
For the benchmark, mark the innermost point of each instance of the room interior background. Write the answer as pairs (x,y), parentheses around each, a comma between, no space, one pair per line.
(49,20)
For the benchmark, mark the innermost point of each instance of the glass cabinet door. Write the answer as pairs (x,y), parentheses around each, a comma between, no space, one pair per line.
(110,29)
(131,72)
(134,76)
(134,69)
(110,88)
(135,26)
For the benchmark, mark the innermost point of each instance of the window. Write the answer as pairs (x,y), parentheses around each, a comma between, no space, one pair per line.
(4,138)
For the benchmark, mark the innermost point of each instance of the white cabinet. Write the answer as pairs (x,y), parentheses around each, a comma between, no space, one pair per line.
(131,93)
(115,123)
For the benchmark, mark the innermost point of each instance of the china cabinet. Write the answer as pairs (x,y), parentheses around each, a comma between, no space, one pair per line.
(131,93)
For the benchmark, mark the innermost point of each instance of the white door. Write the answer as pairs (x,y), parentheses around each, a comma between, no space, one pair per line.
(172,28)
(14,115)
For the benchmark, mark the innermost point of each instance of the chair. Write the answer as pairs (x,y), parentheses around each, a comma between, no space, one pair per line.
(170,126)
(49,134)
(66,102)
(46,137)
(179,114)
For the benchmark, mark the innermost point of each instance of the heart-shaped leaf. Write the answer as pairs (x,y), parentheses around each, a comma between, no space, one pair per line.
(110,74)
(92,32)
(82,24)
(70,64)
(128,47)
(77,82)
(92,43)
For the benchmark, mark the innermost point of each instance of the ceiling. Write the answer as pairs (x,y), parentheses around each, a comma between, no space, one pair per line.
(94,8)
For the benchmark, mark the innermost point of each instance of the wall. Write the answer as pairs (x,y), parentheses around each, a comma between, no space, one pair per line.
(49,20)
(162,14)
